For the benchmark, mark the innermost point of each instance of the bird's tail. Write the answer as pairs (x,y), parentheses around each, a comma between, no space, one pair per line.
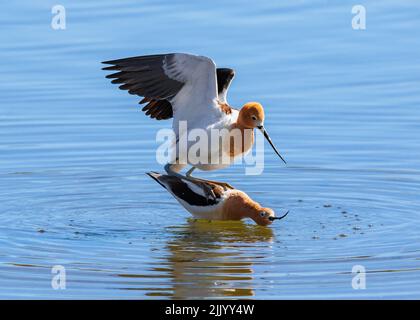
(155,176)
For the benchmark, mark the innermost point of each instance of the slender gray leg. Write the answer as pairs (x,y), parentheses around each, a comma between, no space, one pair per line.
(169,170)
(189,172)
(224,185)
(174,168)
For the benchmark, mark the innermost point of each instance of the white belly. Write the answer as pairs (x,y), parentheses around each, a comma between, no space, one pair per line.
(210,152)
(214,212)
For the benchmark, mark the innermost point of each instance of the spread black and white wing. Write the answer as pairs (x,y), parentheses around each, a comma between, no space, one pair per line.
(183,82)
(167,79)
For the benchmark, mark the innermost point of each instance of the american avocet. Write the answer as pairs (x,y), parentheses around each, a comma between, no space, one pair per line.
(189,88)
(228,203)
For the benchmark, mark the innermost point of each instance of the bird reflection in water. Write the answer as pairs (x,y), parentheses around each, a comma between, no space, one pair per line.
(213,259)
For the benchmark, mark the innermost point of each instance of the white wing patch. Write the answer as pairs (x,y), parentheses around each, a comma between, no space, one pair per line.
(197,100)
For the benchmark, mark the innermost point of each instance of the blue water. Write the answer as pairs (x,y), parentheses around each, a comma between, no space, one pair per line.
(343,106)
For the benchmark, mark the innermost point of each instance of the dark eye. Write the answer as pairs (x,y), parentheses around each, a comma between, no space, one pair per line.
(254,118)
(262,214)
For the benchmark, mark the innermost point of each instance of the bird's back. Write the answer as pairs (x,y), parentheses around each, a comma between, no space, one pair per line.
(193,196)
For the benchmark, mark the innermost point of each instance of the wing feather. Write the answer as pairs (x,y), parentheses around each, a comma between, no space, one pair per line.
(188,191)
(224,78)
(145,76)
(171,83)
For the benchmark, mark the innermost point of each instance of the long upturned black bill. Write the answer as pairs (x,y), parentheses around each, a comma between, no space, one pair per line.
(262,129)
(279,218)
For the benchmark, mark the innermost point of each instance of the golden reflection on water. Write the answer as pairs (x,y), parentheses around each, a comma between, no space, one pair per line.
(212,259)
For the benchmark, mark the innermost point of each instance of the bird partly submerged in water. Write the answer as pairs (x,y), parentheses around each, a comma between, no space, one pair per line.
(228,203)
(190,88)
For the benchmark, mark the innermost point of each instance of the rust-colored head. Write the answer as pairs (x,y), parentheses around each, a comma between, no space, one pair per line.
(266,216)
(251,115)
(263,216)
(239,205)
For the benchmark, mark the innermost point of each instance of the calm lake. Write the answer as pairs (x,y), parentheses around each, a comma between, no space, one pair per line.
(342,105)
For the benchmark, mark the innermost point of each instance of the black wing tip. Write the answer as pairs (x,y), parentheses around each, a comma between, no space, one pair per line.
(110,62)
(144,57)
(115,63)
(111,68)
(226,71)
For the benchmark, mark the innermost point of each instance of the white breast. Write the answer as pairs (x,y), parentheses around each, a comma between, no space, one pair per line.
(218,153)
